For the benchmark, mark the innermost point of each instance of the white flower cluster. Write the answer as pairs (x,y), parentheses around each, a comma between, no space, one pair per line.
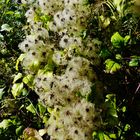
(64,89)
(73,122)
(57,90)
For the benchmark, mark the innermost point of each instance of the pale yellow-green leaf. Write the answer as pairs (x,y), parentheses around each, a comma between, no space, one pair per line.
(113,136)
(17,89)
(111,66)
(21,57)
(118,56)
(28,80)
(5,123)
(42,108)
(6,27)
(106,137)
(31,108)
(17,77)
(126,39)
(45,119)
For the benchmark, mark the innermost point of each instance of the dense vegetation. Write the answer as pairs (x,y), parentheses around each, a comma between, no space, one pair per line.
(87,49)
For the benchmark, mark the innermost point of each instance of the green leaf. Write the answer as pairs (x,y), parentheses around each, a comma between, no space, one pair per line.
(17,89)
(111,98)
(111,105)
(21,57)
(17,14)
(105,21)
(101,135)
(7,1)
(45,119)
(31,108)
(17,77)
(9,13)
(104,53)
(106,137)
(118,57)
(109,63)
(5,123)
(115,67)
(134,62)
(28,80)
(126,39)
(6,27)
(1,92)
(137,134)
(127,127)
(113,136)
(19,130)
(42,108)
(117,40)
(123,109)
(112,66)
(50,110)
(24,92)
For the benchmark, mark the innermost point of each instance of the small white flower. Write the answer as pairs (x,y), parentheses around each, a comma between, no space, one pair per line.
(30,14)
(65,41)
(59,58)
(69,15)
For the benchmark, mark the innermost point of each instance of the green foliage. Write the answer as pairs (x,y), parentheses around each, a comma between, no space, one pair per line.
(5,27)
(21,57)
(17,89)
(5,124)
(117,40)
(31,108)
(14,116)
(100,135)
(28,80)
(115,93)
(135,61)
(112,66)
(2,92)
(120,45)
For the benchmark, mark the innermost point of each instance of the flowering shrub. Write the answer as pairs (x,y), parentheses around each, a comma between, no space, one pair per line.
(61,89)
(59,58)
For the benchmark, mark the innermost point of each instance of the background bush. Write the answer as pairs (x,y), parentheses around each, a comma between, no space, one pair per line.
(116,26)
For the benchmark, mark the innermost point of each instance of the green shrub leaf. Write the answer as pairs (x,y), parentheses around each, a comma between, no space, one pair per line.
(31,108)
(42,109)
(117,40)
(17,89)
(6,27)
(28,80)
(126,39)
(5,123)
(21,57)
(17,77)
(134,62)
(112,66)
(104,53)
